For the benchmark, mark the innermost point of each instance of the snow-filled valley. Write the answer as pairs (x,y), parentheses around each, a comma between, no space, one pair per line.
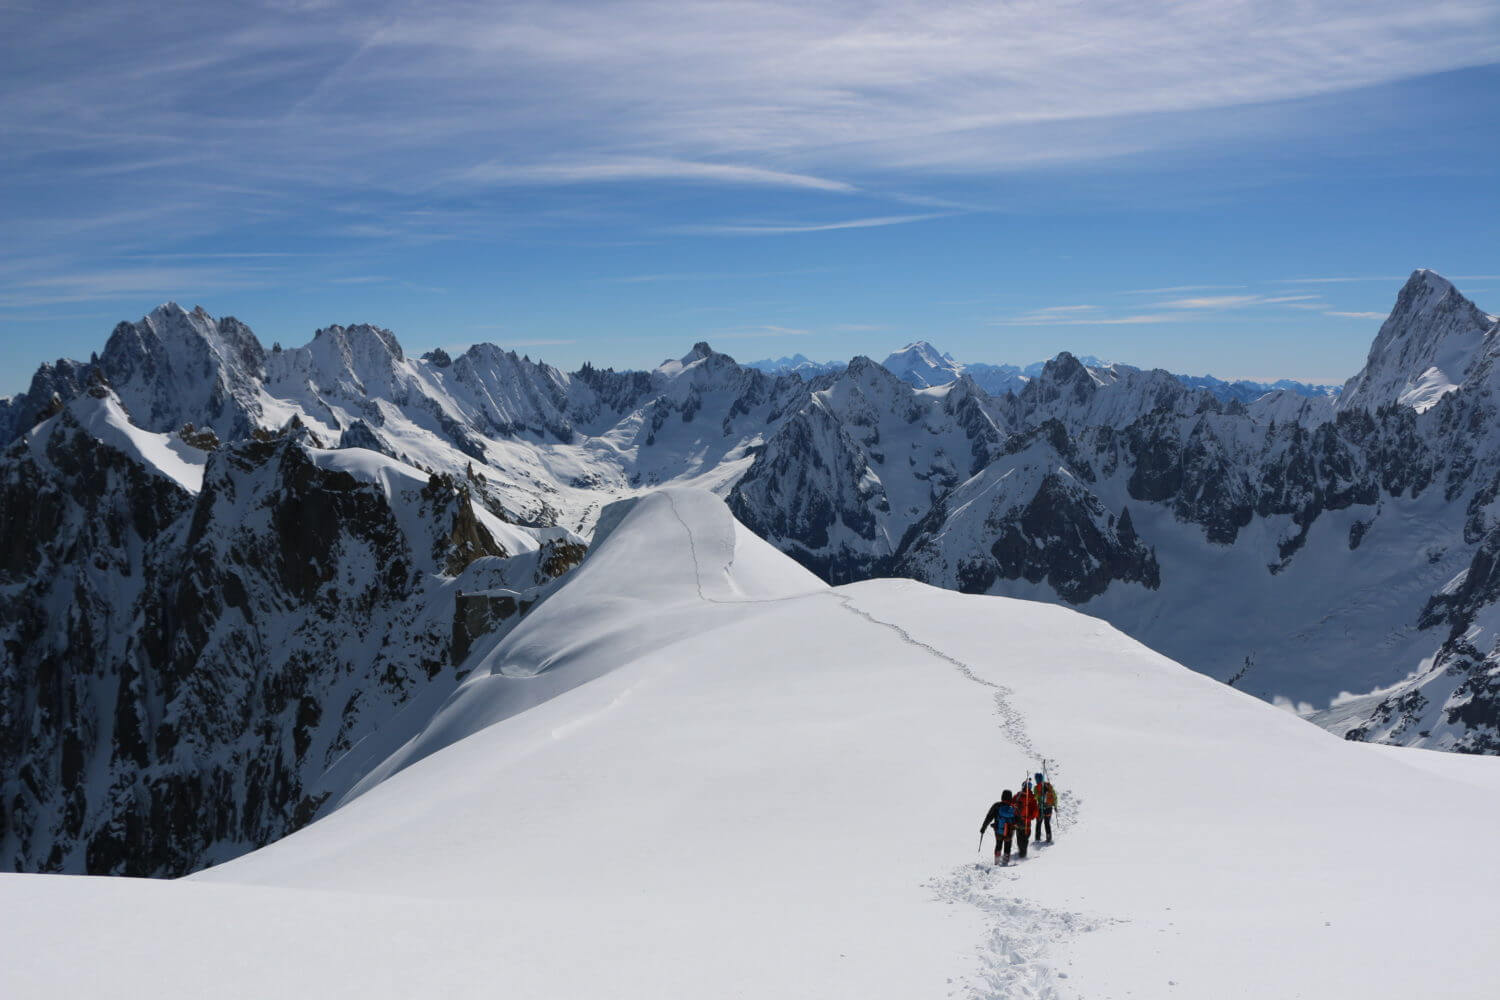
(696,770)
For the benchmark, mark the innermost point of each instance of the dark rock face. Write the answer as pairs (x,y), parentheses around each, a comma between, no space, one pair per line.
(476,615)
(75,532)
(1058,537)
(807,488)
(51,386)
(218,654)
(174,366)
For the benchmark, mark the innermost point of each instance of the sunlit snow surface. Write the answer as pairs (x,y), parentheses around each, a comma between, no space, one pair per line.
(733,781)
(164,455)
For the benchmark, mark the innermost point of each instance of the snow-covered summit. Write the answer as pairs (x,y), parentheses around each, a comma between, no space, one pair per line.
(175,366)
(1425,349)
(922,365)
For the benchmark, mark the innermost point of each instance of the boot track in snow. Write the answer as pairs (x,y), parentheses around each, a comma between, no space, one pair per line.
(1013,957)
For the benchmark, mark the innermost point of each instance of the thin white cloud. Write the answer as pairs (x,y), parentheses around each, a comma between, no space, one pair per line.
(1354,315)
(1173,289)
(1045,319)
(85,285)
(759,332)
(776,229)
(783,92)
(1211,302)
(249,255)
(646,279)
(1234,301)
(1063,310)
(1340,281)
(257,111)
(644,169)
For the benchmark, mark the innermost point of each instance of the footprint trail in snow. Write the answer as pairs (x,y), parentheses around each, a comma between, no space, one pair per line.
(1014,958)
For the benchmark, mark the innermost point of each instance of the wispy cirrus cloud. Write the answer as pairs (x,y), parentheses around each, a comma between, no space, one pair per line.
(671,276)
(283,101)
(1354,315)
(1342,281)
(1172,289)
(644,169)
(1234,301)
(1063,310)
(782,228)
(89,285)
(1180,310)
(759,332)
(1073,316)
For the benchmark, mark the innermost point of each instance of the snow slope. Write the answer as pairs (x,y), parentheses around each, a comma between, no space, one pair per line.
(103,418)
(743,783)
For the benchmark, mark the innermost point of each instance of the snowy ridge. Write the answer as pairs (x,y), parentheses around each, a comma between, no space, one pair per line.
(818,759)
(103,418)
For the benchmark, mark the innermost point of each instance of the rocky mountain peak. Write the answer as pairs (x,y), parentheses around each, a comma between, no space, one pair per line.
(864,371)
(173,366)
(361,339)
(1424,350)
(922,365)
(1063,368)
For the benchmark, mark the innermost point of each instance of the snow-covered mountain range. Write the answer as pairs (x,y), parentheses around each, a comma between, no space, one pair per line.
(228,570)
(1300,547)
(924,366)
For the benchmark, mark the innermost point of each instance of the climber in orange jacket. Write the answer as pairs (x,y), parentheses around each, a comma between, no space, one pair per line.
(1026,813)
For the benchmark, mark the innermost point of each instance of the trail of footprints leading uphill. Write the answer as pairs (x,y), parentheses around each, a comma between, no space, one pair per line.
(1014,962)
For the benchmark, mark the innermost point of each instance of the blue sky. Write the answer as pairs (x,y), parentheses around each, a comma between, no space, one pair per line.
(1233,187)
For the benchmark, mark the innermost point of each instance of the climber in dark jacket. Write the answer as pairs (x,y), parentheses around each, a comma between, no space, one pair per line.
(1006,821)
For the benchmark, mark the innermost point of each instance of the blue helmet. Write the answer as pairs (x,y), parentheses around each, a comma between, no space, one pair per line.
(1039,776)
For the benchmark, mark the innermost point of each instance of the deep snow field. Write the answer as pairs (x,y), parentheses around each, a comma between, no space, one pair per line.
(696,771)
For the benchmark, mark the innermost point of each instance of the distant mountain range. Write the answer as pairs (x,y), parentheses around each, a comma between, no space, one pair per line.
(922,365)
(228,569)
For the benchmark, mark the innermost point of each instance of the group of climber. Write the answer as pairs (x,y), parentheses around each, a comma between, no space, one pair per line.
(1014,814)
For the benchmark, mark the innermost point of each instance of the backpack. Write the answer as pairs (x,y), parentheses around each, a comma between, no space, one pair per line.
(1049,795)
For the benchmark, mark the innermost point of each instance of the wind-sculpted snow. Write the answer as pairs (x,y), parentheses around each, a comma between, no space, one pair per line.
(796,771)
(642,587)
